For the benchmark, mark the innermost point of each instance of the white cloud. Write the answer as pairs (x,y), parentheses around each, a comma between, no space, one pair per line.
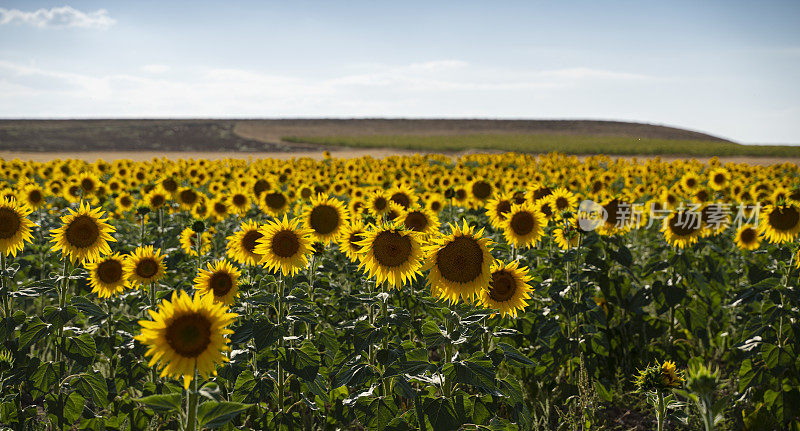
(58,17)
(155,68)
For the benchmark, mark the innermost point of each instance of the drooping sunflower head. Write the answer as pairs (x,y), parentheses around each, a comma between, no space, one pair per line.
(508,289)
(106,276)
(325,217)
(83,235)
(682,228)
(352,234)
(220,280)
(523,225)
(242,244)
(459,263)
(747,237)
(780,223)
(15,227)
(145,265)
(284,246)
(391,253)
(187,334)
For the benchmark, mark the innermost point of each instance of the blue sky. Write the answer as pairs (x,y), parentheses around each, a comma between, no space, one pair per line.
(728,68)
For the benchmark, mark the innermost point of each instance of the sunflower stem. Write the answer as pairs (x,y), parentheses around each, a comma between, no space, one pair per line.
(448,357)
(191,407)
(661,410)
(6,290)
(385,340)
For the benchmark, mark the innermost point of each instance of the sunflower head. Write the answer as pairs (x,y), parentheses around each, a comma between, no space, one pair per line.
(391,253)
(325,217)
(187,334)
(682,228)
(524,225)
(220,280)
(421,220)
(352,234)
(242,244)
(284,246)
(508,289)
(106,275)
(657,377)
(780,223)
(459,263)
(15,227)
(84,234)
(144,265)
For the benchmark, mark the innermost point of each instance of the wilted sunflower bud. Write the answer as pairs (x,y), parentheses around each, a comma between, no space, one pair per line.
(318,248)
(658,378)
(702,379)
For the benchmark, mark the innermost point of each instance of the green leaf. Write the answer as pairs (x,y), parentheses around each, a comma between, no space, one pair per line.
(513,355)
(602,392)
(88,307)
(432,335)
(214,414)
(303,361)
(73,407)
(81,348)
(92,386)
(44,378)
(476,372)
(33,332)
(167,402)
(442,415)
(375,413)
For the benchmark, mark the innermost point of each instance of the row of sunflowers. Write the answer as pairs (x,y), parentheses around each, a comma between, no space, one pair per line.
(505,291)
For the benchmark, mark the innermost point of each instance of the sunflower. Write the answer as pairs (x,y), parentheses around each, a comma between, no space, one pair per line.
(187,197)
(523,226)
(780,223)
(562,200)
(682,228)
(348,241)
(15,228)
(459,263)
(421,220)
(403,196)
(33,196)
(391,253)
(188,240)
(718,178)
(284,245)
(569,234)
(378,203)
(187,334)
(156,198)
(124,202)
(481,191)
(274,203)
(219,209)
(508,289)
(325,217)
(747,237)
(144,265)
(498,207)
(83,235)
(242,244)
(240,201)
(106,276)
(689,182)
(220,280)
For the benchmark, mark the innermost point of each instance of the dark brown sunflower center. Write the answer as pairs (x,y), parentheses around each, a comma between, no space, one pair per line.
(305,193)
(691,182)
(146,268)
(401,199)
(189,335)
(522,223)
(562,203)
(82,232)
(503,208)
(87,184)
(461,260)
(260,186)
(249,240)
(391,249)
(461,194)
(481,189)
(436,206)
(542,192)
(324,219)
(220,208)
(221,283)
(748,235)
(784,218)
(109,271)
(126,201)
(416,220)
(35,196)
(170,184)
(719,178)
(503,286)
(10,222)
(354,238)
(239,200)
(156,201)
(379,203)
(275,200)
(285,243)
(682,224)
(614,212)
(188,197)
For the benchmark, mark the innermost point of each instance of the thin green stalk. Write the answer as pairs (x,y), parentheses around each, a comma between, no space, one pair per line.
(661,411)
(191,407)
(448,357)
(6,289)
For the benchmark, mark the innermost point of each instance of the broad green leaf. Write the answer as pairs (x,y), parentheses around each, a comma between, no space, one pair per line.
(166,402)
(214,414)
(92,386)
(303,362)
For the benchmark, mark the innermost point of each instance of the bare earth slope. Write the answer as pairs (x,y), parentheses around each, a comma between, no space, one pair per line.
(267,135)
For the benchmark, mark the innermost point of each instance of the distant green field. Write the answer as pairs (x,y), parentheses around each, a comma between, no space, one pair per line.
(569,144)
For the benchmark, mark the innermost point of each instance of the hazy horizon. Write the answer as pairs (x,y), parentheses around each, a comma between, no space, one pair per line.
(723,68)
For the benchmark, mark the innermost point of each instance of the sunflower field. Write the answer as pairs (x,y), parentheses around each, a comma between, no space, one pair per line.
(487,292)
